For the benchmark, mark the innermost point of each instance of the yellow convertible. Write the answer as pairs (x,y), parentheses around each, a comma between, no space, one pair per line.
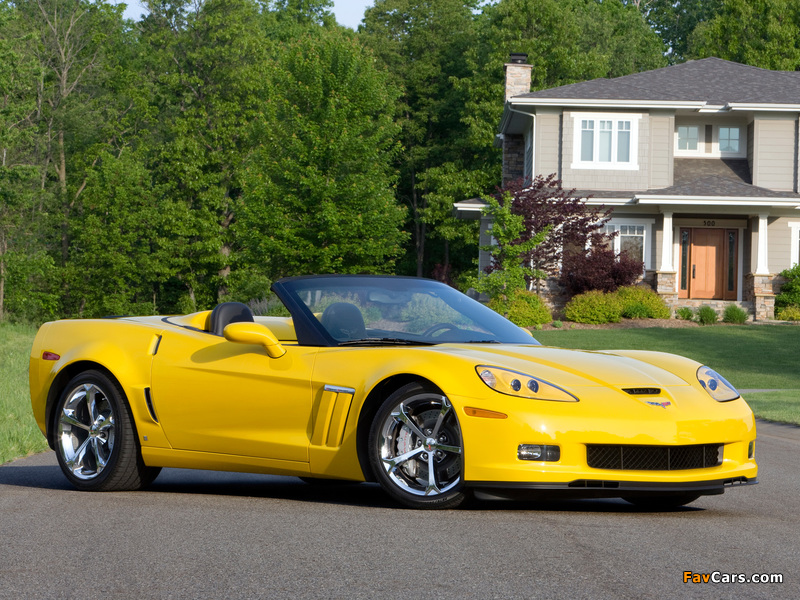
(398,380)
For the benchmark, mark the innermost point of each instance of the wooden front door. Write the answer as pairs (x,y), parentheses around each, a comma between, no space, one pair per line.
(708,263)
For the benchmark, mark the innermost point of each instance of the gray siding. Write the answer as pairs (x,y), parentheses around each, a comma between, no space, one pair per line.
(547,144)
(661,142)
(774,154)
(780,239)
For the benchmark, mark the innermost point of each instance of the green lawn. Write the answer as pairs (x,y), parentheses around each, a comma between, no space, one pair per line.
(19,435)
(749,356)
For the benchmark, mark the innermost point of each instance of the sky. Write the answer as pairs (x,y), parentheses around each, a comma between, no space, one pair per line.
(348,12)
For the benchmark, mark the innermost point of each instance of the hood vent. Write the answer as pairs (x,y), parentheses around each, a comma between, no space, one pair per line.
(642,391)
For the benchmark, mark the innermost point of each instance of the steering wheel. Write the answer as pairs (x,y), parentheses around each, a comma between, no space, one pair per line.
(439,327)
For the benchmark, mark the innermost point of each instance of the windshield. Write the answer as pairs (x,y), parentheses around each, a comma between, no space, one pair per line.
(396,310)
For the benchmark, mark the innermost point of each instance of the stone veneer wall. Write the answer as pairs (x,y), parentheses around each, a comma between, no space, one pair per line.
(513,158)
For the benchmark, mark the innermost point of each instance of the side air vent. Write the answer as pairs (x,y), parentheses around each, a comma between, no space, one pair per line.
(643,391)
(149,400)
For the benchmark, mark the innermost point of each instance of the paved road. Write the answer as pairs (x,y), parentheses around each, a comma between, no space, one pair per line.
(219,535)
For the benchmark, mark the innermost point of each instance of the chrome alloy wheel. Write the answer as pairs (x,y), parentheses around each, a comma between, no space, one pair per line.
(420,445)
(86,431)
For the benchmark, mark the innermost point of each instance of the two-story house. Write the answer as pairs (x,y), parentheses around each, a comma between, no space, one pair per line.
(699,162)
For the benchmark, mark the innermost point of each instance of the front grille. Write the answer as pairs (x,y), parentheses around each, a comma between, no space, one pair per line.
(653,458)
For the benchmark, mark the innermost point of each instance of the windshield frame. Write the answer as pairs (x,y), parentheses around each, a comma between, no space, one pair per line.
(310,331)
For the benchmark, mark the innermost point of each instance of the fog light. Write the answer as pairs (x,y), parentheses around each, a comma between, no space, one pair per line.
(751,450)
(538,452)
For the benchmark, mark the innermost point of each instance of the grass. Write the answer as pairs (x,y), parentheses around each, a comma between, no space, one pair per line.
(749,356)
(19,435)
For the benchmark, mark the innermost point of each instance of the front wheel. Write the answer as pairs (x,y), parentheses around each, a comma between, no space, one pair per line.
(416,450)
(96,443)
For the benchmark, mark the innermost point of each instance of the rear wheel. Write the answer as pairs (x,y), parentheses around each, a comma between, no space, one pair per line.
(96,443)
(416,449)
(662,502)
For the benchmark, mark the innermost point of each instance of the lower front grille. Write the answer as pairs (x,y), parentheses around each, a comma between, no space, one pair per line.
(653,458)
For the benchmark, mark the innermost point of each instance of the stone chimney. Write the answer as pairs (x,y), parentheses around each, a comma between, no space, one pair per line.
(518,75)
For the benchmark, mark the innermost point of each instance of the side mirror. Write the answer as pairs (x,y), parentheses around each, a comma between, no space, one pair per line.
(254,333)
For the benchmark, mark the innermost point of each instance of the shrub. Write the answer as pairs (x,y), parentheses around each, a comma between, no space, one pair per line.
(734,314)
(594,307)
(600,269)
(790,291)
(528,309)
(642,303)
(635,310)
(685,313)
(557,324)
(706,315)
(788,313)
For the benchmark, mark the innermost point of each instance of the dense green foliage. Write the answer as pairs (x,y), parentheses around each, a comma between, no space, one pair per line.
(594,307)
(734,314)
(788,313)
(685,313)
(789,295)
(217,145)
(707,315)
(644,302)
(522,308)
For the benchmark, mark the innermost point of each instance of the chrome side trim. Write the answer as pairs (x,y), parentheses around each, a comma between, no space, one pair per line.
(339,389)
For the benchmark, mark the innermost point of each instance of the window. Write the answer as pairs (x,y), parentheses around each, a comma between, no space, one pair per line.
(794,251)
(729,139)
(632,237)
(710,140)
(688,136)
(527,169)
(605,141)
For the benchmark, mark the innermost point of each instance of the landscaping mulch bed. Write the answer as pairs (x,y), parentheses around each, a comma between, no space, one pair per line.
(624,324)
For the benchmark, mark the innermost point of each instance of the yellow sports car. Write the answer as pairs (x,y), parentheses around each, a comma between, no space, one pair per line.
(398,380)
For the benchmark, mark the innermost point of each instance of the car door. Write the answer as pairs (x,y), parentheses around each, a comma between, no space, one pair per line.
(212,395)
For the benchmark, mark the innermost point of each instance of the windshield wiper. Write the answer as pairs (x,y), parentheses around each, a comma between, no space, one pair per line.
(482,342)
(387,341)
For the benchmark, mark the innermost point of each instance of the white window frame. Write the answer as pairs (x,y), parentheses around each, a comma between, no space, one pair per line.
(613,164)
(648,232)
(794,247)
(701,140)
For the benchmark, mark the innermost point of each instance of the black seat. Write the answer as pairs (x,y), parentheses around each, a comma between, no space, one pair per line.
(227,313)
(344,321)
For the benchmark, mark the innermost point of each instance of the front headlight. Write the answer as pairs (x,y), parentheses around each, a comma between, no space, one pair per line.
(716,385)
(512,383)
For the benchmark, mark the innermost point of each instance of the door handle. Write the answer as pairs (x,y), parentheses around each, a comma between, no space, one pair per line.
(693,268)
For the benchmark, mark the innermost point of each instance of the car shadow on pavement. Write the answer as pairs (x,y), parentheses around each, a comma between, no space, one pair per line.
(271,487)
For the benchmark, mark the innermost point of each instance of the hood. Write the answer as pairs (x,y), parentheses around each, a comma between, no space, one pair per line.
(569,368)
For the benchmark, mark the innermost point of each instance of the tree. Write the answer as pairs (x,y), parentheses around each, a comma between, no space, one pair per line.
(761,33)
(573,225)
(422,45)
(318,189)
(566,41)
(208,69)
(675,21)
(510,270)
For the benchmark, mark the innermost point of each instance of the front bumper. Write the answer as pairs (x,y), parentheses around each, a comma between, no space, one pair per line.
(603,417)
(595,488)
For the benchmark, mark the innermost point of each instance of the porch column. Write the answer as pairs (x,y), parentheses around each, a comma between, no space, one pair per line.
(666,243)
(762,259)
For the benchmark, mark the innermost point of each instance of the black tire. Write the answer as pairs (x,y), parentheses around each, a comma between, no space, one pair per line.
(662,502)
(419,427)
(95,438)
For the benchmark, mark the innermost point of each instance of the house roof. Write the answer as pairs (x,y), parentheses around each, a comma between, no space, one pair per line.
(710,80)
